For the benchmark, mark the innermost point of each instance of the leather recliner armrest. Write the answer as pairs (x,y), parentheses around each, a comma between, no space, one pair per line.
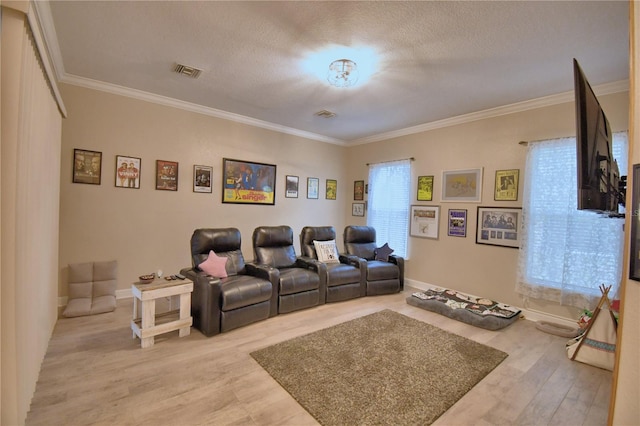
(205,305)
(270,274)
(320,269)
(400,262)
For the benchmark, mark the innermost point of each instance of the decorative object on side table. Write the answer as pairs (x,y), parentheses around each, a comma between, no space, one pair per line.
(506,185)
(87,166)
(425,221)
(499,226)
(147,278)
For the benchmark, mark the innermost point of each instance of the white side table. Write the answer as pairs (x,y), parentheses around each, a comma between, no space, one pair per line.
(149,324)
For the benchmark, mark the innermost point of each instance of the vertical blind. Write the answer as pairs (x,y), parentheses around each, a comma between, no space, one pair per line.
(388,210)
(566,253)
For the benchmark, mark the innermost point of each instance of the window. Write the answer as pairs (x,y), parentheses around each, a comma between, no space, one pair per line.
(388,210)
(566,253)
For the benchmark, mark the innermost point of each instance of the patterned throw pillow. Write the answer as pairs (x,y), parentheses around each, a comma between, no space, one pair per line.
(214,265)
(327,251)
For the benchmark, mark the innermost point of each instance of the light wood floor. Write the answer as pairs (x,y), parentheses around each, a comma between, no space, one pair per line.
(95,373)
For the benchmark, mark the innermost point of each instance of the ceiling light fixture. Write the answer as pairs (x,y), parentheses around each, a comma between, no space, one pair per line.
(343,73)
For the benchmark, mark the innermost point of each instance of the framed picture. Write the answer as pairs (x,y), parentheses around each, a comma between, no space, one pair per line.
(246,182)
(202,179)
(127,172)
(166,175)
(87,166)
(634,257)
(425,188)
(291,188)
(499,226)
(357,209)
(313,187)
(457,223)
(506,185)
(358,190)
(425,221)
(462,186)
(332,189)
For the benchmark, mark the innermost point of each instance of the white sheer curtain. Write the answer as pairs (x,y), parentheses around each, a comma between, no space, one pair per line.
(566,254)
(388,210)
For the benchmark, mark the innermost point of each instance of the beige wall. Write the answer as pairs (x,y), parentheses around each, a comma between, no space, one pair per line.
(146,229)
(492,144)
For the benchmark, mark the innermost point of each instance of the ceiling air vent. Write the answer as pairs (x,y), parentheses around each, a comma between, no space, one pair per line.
(187,70)
(325,114)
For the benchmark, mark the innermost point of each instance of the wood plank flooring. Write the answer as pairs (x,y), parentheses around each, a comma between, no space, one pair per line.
(94,373)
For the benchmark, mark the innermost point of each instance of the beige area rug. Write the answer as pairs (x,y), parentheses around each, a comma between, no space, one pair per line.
(380,369)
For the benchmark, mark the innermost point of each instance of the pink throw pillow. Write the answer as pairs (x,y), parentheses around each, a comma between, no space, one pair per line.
(214,265)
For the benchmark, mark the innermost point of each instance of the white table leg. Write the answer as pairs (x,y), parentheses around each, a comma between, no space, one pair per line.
(135,313)
(148,320)
(185,312)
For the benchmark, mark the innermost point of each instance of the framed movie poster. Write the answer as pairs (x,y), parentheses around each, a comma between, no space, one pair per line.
(358,190)
(313,185)
(425,188)
(166,175)
(246,182)
(127,172)
(332,189)
(499,226)
(425,221)
(457,223)
(202,179)
(357,209)
(634,256)
(506,185)
(87,166)
(291,187)
(462,186)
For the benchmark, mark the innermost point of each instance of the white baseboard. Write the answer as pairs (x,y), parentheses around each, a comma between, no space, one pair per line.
(528,314)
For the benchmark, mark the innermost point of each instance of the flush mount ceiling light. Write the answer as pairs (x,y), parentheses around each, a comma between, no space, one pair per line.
(343,73)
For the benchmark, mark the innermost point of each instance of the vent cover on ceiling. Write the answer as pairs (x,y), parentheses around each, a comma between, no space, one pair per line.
(187,70)
(326,114)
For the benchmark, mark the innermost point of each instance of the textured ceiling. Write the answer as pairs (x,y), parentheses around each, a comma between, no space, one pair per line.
(437,59)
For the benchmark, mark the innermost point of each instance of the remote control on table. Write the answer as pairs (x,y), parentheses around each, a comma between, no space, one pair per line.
(180,276)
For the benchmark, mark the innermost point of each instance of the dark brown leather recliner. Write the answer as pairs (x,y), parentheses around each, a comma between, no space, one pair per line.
(300,285)
(344,281)
(381,277)
(247,295)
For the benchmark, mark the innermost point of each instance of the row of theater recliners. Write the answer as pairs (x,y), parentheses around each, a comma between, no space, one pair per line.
(279,281)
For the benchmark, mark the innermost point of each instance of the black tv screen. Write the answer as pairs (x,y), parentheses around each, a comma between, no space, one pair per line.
(597,170)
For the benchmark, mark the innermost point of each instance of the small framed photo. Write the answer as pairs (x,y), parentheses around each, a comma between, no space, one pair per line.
(634,258)
(425,188)
(457,223)
(499,226)
(462,186)
(313,185)
(248,182)
(425,221)
(128,172)
(166,175)
(332,189)
(202,179)
(87,166)
(358,190)
(506,185)
(357,209)
(291,188)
